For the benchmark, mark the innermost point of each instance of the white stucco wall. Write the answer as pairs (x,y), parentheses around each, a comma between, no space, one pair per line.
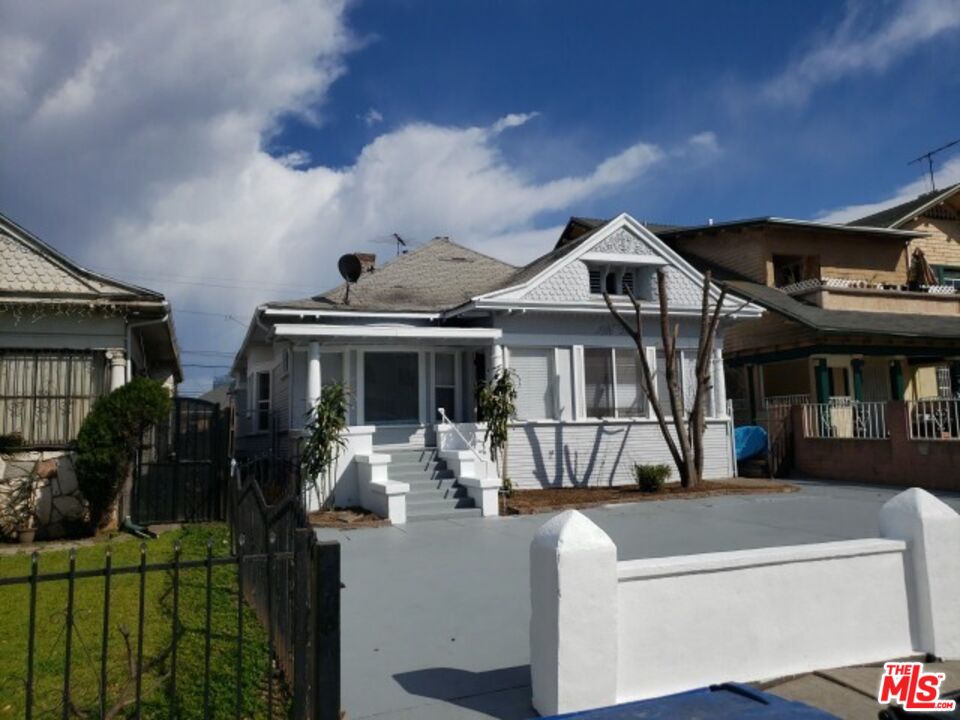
(604,632)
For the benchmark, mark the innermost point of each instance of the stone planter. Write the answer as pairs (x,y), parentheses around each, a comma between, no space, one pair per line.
(26,535)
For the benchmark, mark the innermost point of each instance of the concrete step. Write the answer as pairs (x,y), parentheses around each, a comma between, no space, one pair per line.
(459,514)
(422,504)
(418,492)
(405,474)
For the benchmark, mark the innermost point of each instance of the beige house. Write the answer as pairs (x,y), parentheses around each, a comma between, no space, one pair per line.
(846,318)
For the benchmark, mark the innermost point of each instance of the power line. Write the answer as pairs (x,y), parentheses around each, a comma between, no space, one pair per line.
(928,156)
(227,283)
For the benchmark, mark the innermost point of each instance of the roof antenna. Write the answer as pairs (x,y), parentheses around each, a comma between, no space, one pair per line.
(928,156)
(400,243)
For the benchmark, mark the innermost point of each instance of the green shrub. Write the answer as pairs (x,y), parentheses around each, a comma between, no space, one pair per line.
(650,478)
(109,437)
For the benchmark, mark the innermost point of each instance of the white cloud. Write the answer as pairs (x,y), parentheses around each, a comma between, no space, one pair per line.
(134,141)
(948,174)
(863,42)
(371,117)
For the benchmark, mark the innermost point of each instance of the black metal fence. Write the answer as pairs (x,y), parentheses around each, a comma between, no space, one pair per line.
(277,573)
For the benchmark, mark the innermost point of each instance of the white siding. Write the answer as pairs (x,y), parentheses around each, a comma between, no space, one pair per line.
(600,453)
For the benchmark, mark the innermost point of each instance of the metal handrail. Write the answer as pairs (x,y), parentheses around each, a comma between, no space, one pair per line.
(451,423)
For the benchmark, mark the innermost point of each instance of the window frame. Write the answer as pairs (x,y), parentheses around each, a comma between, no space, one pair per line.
(261,405)
(613,391)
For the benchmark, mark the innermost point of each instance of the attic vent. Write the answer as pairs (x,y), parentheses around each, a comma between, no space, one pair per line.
(596,281)
(628,283)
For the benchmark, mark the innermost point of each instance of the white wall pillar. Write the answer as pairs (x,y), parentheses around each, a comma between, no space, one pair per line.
(314,379)
(932,530)
(573,628)
(496,358)
(118,368)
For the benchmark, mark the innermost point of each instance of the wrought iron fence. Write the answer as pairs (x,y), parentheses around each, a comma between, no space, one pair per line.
(937,419)
(845,418)
(785,400)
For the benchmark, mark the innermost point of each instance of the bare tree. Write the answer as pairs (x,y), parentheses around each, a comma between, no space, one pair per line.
(685,442)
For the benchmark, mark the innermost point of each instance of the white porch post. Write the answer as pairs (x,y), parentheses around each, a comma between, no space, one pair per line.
(719,385)
(496,358)
(118,368)
(314,380)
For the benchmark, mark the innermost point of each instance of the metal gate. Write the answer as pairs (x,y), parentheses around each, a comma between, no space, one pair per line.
(183,466)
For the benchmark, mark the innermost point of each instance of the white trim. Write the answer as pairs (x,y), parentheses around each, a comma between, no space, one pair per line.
(348,313)
(381,331)
(623,259)
(741,309)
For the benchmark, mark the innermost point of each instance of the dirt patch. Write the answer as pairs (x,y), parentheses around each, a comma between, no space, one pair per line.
(527,502)
(346,518)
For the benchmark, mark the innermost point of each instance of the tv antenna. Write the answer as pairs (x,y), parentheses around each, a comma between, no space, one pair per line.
(401,243)
(928,156)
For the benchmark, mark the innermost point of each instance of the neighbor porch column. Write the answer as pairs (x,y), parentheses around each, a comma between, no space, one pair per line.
(118,368)
(496,358)
(719,385)
(314,379)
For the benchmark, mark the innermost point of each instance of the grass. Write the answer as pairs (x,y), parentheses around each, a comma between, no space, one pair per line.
(50,637)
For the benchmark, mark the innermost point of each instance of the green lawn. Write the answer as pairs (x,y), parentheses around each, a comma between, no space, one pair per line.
(158,630)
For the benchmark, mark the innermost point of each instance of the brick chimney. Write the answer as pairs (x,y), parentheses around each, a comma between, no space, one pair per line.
(367,261)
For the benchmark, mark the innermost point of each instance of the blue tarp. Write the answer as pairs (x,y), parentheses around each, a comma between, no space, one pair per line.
(749,441)
(730,701)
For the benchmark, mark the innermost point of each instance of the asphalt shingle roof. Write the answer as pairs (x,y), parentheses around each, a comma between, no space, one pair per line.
(438,276)
(892,215)
(849,322)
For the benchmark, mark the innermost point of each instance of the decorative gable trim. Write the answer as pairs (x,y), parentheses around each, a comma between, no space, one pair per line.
(609,242)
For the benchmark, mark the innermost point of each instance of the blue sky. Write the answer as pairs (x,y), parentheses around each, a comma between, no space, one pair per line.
(226,153)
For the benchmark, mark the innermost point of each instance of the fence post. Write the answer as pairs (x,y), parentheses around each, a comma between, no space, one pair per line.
(302,540)
(325,612)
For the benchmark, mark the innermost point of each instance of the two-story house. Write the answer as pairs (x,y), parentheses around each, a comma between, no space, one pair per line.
(844,319)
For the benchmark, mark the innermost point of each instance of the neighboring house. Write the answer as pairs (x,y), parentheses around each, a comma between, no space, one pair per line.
(842,321)
(419,333)
(67,337)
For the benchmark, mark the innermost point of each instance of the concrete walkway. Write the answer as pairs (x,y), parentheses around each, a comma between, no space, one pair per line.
(435,614)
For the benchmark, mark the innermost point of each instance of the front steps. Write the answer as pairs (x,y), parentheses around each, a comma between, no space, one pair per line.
(434,491)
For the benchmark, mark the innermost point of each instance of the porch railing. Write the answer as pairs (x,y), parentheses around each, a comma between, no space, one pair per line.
(846,419)
(936,419)
(456,431)
(788,400)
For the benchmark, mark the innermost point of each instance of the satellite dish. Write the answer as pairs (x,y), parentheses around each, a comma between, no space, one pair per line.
(350,267)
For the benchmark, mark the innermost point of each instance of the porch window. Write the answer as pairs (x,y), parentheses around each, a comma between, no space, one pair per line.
(391,382)
(535,391)
(445,390)
(46,395)
(613,383)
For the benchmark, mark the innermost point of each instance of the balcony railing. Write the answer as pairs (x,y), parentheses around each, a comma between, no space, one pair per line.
(934,419)
(812,284)
(785,400)
(845,418)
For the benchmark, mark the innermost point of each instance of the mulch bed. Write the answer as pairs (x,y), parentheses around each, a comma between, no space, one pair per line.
(528,502)
(346,518)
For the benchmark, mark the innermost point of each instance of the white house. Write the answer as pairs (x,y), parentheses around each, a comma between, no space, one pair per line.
(416,336)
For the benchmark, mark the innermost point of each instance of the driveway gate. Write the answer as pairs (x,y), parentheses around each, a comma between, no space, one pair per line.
(183,466)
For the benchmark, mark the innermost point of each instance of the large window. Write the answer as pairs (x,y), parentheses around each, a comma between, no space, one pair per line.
(45,396)
(444,382)
(390,387)
(535,374)
(613,383)
(687,379)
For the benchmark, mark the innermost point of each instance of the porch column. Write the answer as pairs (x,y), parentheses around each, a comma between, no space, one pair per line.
(857,365)
(118,368)
(719,385)
(314,380)
(496,358)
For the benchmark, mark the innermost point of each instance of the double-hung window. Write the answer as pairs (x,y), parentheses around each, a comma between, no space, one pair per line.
(613,383)
(535,378)
(262,409)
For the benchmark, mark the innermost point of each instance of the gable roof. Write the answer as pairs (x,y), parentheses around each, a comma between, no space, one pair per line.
(437,276)
(897,215)
(855,322)
(29,268)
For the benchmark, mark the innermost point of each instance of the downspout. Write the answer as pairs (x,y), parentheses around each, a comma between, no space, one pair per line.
(129,339)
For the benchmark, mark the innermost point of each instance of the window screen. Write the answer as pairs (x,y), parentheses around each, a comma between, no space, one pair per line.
(534,369)
(390,387)
(598,378)
(631,401)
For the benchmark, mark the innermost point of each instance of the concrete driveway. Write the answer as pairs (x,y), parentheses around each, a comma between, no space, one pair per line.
(435,614)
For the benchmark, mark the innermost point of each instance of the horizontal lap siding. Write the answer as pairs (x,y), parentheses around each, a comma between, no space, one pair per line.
(595,454)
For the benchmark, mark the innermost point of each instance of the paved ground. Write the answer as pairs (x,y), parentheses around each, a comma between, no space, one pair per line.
(435,614)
